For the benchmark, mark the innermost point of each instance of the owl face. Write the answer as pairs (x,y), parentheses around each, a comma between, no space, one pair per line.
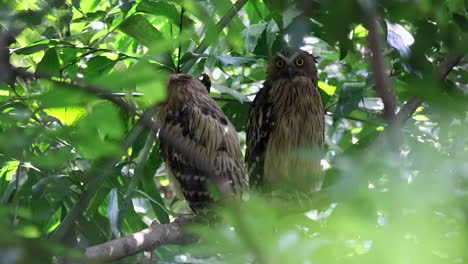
(292,64)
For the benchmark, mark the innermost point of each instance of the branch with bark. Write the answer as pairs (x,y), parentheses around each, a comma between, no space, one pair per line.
(6,70)
(382,86)
(146,240)
(407,110)
(413,103)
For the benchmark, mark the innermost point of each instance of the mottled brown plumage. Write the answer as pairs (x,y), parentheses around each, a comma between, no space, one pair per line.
(193,118)
(285,130)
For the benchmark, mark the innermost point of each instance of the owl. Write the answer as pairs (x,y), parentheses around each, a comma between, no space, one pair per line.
(285,129)
(192,118)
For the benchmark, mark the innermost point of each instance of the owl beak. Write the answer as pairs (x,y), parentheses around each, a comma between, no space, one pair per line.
(291,72)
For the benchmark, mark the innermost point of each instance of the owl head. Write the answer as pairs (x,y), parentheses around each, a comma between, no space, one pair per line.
(290,64)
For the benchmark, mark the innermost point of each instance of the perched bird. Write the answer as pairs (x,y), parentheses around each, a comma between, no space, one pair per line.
(285,130)
(198,144)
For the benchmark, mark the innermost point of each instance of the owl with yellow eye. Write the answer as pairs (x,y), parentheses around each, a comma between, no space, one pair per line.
(285,130)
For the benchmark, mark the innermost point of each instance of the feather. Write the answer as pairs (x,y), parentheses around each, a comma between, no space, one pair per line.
(285,130)
(194,118)
(259,127)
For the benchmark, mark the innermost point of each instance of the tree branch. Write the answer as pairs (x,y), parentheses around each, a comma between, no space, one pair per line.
(146,240)
(412,104)
(6,71)
(382,86)
(382,81)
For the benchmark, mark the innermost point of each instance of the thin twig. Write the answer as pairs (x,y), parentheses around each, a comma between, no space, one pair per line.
(92,51)
(81,85)
(357,119)
(180,33)
(33,115)
(120,53)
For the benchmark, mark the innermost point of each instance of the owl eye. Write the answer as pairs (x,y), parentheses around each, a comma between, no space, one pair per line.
(280,63)
(300,62)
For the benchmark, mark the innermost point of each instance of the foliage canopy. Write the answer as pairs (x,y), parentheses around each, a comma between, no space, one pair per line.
(77,170)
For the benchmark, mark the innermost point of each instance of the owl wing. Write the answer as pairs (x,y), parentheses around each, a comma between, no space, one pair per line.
(214,154)
(259,127)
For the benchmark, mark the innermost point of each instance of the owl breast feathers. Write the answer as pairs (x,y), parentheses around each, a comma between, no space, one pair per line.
(193,119)
(285,130)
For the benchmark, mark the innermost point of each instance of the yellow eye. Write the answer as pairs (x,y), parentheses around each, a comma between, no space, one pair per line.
(280,63)
(300,62)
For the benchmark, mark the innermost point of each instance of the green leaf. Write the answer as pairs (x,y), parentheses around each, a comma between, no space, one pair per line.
(91,16)
(67,115)
(113,211)
(237,114)
(141,29)
(58,96)
(252,34)
(143,77)
(289,15)
(31,49)
(190,56)
(329,89)
(32,18)
(55,183)
(224,89)
(236,61)
(98,66)
(76,4)
(462,21)
(271,35)
(102,127)
(349,97)
(55,158)
(149,185)
(88,5)
(256,11)
(159,8)
(345,45)
(50,63)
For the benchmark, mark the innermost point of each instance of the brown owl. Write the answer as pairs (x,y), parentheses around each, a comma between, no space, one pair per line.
(192,117)
(285,130)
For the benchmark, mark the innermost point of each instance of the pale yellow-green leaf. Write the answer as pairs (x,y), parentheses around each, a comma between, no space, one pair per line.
(68,115)
(360,31)
(420,118)
(9,169)
(29,231)
(329,89)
